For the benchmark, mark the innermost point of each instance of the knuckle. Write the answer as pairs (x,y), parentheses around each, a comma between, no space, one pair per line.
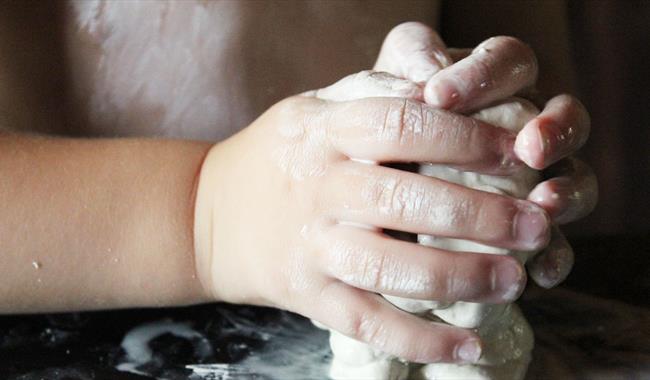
(287,105)
(297,108)
(357,266)
(464,212)
(373,270)
(403,31)
(526,59)
(372,79)
(287,111)
(384,84)
(403,122)
(366,327)
(389,193)
(391,128)
(398,199)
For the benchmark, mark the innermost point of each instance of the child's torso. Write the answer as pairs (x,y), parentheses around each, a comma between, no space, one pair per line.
(207,69)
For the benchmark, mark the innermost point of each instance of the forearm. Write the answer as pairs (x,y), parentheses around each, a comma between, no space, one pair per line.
(89,224)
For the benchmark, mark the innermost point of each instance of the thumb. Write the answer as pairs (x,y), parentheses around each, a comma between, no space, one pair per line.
(413,51)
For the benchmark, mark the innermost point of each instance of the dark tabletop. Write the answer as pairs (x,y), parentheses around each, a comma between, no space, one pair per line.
(597,326)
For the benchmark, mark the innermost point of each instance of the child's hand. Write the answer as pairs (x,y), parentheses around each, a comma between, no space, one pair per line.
(285,217)
(499,68)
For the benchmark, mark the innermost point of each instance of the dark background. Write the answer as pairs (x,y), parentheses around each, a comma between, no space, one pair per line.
(608,48)
(609,54)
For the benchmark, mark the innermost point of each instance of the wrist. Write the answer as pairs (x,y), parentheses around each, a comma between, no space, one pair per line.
(206,189)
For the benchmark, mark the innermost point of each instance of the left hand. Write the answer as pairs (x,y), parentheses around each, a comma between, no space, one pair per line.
(498,68)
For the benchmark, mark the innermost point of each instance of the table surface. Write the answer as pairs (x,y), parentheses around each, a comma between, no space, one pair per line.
(595,327)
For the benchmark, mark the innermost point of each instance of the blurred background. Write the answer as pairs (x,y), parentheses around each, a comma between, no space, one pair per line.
(594,49)
(607,45)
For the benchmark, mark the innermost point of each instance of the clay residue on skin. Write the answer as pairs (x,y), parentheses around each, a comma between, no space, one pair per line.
(508,338)
(415,203)
(366,268)
(302,152)
(366,84)
(299,277)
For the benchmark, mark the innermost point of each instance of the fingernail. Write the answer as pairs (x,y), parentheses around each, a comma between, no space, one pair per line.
(527,149)
(553,196)
(508,279)
(531,226)
(544,136)
(553,143)
(441,94)
(557,267)
(469,350)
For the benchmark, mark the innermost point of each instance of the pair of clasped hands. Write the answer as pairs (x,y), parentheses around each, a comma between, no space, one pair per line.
(290,211)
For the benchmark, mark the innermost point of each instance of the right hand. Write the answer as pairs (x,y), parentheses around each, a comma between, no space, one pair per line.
(286,218)
(497,69)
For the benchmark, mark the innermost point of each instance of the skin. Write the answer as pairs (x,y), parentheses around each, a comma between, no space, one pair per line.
(93,224)
(502,67)
(276,181)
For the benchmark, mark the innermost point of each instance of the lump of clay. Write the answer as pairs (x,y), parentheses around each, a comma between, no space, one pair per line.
(507,337)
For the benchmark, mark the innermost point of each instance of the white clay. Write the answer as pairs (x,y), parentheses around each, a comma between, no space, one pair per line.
(357,360)
(508,343)
(507,338)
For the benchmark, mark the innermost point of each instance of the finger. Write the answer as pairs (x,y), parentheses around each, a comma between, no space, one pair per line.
(375,262)
(552,265)
(388,198)
(371,319)
(366,84)
(413,51)
(558,131)
(401,130)
(498,68)
(571,195)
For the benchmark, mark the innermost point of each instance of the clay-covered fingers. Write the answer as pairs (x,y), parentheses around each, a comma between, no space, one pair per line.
(402,130)
(558,131)
(367,84)
(553,264)
(413,51)
(375,262)
(570,194)
(398,200)
(369,318)
(498,68)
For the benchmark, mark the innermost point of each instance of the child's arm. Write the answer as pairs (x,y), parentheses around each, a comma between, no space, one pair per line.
(89,224)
